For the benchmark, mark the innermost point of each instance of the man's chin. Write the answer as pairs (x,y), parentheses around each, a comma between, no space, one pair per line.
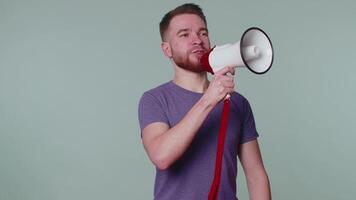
(191,64)
(192,68)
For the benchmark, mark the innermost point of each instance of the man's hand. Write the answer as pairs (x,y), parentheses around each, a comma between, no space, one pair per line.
(221,84)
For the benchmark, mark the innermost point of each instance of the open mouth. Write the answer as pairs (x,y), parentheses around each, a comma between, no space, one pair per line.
(198,51)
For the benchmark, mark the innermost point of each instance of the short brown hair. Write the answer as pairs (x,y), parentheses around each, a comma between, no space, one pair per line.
(188,8)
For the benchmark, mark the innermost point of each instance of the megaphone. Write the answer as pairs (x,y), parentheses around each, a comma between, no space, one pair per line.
(254,51)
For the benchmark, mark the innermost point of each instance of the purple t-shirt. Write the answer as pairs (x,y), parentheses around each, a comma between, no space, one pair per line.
(190,177)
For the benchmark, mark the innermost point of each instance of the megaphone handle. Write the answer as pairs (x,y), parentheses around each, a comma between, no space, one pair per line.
(228,95)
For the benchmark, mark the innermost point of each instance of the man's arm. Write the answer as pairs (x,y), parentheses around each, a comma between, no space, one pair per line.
(165,145)
(256,176)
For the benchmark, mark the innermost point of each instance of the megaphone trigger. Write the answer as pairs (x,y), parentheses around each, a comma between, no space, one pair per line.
(230,74)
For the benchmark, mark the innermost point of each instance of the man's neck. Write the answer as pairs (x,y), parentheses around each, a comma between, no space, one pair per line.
(193,81)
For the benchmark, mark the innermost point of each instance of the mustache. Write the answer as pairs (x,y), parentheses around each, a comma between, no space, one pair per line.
(198,49)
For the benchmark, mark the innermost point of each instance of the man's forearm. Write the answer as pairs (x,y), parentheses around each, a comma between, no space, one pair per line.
(259,187)
(174,142)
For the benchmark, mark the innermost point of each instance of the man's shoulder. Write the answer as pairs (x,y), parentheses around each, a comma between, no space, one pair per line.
(236,96)
(156,91)
(239,100)
(160,92)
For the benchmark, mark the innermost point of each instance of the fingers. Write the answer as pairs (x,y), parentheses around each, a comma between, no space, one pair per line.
(224,83)
(223,79)
(228,84)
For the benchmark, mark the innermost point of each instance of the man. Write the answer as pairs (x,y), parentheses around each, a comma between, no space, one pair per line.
(180,120)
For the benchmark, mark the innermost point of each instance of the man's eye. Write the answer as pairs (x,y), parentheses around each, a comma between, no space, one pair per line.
(184,35)
(204,34)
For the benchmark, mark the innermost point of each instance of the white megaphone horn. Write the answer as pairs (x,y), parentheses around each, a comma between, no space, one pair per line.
(254,51)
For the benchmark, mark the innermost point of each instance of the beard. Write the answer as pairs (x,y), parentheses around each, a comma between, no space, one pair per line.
(187,63)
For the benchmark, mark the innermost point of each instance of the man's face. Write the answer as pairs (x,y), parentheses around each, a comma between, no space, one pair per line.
(187,40)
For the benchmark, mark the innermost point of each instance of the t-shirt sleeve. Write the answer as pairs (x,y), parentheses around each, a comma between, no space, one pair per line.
(150,110)
(249,131)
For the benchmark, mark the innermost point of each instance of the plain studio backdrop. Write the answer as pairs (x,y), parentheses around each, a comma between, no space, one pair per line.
(72,73)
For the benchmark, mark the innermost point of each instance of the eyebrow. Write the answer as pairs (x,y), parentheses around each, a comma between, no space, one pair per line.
(203,29)
(183,30)
(188,29)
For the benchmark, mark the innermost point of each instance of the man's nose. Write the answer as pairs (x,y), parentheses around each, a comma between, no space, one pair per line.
(196,39)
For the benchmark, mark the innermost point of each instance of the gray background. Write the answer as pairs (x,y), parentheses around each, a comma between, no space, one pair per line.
(72,72)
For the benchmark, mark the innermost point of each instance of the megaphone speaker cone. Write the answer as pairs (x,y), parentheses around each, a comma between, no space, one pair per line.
(257,38)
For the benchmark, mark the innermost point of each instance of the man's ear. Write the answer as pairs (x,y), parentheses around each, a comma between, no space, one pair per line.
(166,48)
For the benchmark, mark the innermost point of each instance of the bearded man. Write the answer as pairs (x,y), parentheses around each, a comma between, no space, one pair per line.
(180,119)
